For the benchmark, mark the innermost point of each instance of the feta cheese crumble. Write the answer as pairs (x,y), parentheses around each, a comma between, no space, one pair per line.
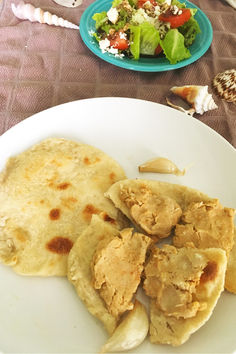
(104,44)
(113,15)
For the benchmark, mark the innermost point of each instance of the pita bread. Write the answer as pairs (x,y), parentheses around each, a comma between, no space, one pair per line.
(230,277)
(80,273)
(175,198)
(185,285)
(47,196)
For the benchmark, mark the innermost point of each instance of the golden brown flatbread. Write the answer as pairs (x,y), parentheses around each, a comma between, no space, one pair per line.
(105,267)
(230,277)
(206,224)
(184,285)
(80,272)
(48,194)
(117,267)
(154,207)
(203,220)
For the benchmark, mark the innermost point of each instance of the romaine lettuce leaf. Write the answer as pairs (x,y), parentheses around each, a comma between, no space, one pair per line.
(173,46)
(100,19)
(116,3)
(134,39)
(133,3)
(189,30)
(102,23)
(193,11)
(149,38)
(178,4)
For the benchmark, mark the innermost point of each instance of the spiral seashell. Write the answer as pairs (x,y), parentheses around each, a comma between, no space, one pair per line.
(197,96)
(225,85)
(29,12)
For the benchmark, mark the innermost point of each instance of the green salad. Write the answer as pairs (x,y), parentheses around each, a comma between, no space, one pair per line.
(134,28)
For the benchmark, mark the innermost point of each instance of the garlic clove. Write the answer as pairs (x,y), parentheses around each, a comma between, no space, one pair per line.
(161,165)
(130,333)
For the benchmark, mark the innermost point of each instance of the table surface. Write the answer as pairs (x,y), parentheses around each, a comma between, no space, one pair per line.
(42,66)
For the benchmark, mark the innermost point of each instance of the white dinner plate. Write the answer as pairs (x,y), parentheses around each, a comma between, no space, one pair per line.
(44,315)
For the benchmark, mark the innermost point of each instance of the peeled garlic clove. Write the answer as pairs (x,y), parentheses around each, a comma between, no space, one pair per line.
(161,165)
(130,333)
(197,96)
(225,85)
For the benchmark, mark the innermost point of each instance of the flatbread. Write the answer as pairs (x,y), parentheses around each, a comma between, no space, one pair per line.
(181,195)
(184,285)
(186,198)
(117,267)
(105,267)
(47,196)
(230,277)
(80,273)
(206,224)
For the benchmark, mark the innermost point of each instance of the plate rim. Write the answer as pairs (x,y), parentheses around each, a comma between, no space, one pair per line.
(131,65)
(120,98)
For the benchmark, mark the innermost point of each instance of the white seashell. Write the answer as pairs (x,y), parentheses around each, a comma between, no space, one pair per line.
(69,3)
(231,3)
(225,85)
(197,96)
(29,12)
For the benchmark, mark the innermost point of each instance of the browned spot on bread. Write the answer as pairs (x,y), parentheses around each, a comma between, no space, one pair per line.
(54,214)
(63,185)
(107,218)
(112,177)
(60,245)
(41,201)
(89,210)
(209,272)
(20,235)
(87,161)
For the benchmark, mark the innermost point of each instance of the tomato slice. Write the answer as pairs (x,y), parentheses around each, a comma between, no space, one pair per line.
(176,20)
(142,2)
(118,41)
(158,50)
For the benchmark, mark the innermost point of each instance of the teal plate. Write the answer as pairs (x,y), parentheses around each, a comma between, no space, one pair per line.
(198,48)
